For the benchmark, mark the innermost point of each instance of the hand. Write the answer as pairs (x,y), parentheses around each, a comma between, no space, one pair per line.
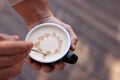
(12,54)
(58,65)
(74,38)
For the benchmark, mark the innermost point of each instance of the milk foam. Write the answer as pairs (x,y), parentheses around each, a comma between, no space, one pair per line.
(50,44)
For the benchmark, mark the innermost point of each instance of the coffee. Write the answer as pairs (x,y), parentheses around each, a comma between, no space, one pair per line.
(50,40)
(46,46)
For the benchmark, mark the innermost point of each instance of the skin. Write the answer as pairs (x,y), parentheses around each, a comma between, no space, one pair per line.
(13,51)
(12,54)
(41,13)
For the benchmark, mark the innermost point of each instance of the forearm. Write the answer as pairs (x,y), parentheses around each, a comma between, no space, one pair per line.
(33,11)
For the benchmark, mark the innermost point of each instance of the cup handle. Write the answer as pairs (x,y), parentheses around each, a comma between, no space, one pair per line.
(70,58)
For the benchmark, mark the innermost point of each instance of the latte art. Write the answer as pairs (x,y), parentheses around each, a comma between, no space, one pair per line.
(49,44)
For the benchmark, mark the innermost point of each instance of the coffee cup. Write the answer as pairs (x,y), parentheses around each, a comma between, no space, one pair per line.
(51,44)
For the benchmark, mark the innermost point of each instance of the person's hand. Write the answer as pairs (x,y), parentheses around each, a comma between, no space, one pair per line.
(74,37)
(58,65)
(12,54)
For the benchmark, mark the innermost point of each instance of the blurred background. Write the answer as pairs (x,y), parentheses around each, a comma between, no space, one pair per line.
(97,24)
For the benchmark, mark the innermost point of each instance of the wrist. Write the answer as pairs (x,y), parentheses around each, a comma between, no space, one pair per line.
(39,21)
(33,11)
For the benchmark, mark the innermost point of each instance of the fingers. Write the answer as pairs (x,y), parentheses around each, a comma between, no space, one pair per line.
(14,47)
(59,66)
(8,37)
(11,60)
(29,60)
(10,71)
(12,53)
(36,65)
(74,37)
(47,68)
(15,37)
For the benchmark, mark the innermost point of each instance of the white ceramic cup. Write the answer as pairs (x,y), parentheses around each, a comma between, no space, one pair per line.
(53,40)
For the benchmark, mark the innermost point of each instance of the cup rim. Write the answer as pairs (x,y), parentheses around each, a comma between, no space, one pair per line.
(55,25)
